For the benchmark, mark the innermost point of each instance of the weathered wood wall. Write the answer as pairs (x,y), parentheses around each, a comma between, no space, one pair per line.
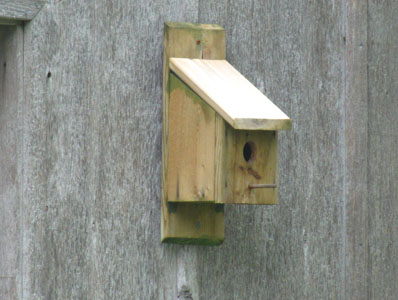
(382,160)
(80,154)
(13,12)
(11,175)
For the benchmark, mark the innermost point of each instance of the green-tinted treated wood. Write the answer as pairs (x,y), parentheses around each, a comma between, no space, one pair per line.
(195,224)
(201,241)
(191,26)
(189,41)
(191,146)
(205,154)
(261,168)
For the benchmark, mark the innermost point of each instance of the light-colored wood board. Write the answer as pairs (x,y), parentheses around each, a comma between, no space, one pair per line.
(194,224)
(197,27)
(225,174)
(203,149)
(13,11)
(191,146)
(238,101)
(234,174)
(189,41)
(261,168)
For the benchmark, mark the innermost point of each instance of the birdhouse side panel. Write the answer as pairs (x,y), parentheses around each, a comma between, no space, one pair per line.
(191,146)
(225,161)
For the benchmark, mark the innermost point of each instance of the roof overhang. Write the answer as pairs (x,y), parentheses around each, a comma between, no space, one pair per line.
(230,94)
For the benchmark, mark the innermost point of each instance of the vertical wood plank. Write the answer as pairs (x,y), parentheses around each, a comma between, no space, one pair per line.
(293,51)
(93,151)
(191,139)
(382,61)
(224,162)
(356,151)
(8,288)
(11,162)
(14,11)
(186,223)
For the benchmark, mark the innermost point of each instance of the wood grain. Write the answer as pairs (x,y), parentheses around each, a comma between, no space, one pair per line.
(234,173)
(14,11)
(261,168)
(8,288)
(356,154)
(191,144)
(382,71)
(230,94)
(293,51)
(11,162)
(91,154)
(181,223)
(224,161)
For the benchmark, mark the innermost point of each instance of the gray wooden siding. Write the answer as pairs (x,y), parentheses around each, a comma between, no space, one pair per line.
(11,175)
(382,272)
(87,154)
(16,11)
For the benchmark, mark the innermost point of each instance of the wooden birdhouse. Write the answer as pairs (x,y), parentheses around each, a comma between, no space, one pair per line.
(219,138)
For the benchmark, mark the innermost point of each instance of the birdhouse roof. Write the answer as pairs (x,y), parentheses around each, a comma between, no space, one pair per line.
(230,94)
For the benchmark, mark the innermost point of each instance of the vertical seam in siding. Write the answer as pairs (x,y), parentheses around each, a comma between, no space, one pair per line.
(369,266)
(22,179)
(344,95)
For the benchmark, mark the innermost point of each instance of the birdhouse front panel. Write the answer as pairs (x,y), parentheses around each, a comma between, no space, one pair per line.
(251,162)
